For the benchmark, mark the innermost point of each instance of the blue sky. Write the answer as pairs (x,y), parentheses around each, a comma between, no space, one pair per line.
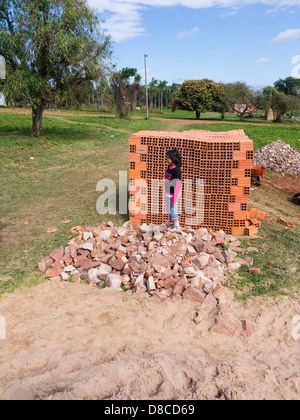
(225,40)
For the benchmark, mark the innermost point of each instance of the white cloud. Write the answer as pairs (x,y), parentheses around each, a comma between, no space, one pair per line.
(187,34)
(124,19)
(225,15)
(288,35)
(262,60)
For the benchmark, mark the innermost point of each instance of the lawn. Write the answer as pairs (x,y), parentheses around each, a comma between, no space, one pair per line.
(52,179)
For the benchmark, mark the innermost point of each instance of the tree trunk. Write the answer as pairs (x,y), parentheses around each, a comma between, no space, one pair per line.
(198,115)
(102,102)
(37,118)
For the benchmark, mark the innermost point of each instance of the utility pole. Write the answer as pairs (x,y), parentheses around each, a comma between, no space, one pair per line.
(147,105)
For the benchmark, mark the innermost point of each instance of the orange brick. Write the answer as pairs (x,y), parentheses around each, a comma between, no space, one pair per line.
(255,222)
(262,215)
(251,230)
(253,212)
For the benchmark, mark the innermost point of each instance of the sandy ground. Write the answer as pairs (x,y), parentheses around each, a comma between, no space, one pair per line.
(70,341)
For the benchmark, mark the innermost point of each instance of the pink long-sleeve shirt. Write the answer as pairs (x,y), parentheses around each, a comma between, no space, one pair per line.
(173,175)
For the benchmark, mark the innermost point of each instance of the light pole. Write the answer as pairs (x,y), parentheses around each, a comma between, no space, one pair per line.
(145,56)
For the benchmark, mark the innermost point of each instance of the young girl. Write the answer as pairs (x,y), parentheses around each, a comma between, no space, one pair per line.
(173,186)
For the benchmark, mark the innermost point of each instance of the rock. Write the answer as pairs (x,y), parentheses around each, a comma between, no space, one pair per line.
(229,258)
(255,270)
(67,259)
(158,237)
(121,231)
(190,271)
(248,329)
(232,267)
(191,251)
(131,239)
(69,269)
(152,245)
(151,285)
(104,270)
(105,235)
(45,263)
(167,283)
(195,294)
(210,301)
(199,245)
(73,250)
(117,264)
(87,235)
(207,238)
(54,272)
(64,276)
(57,254)
(93,276)
(251,249)
(203,260)
(145,228)
(180,286)
(225,324)
(114,281)
(218,291)
(201,232)
(241,261)
(81,260)
(87,246)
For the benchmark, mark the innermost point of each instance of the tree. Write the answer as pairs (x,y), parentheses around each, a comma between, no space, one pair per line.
(242,99)
(293,106)
(277,101)
(49,46)
(288,86)
(124,90)
(153,91)
(222,106)
(162,87)
(199,96)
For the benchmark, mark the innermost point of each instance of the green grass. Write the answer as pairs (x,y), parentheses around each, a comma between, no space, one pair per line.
(60,184)
(211,116)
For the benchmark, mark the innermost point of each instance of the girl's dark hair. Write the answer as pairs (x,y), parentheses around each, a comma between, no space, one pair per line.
(175,157)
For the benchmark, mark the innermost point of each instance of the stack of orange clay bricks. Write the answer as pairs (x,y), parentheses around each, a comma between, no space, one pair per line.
(216,168)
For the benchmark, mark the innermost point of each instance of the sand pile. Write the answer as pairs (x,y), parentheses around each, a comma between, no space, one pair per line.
(278,156)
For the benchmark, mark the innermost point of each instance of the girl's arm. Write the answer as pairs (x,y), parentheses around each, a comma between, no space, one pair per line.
(177,190)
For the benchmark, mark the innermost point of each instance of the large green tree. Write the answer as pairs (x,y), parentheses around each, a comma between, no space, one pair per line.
(199,96)
(242,99)
(280,103)
(49,46)
(289,86)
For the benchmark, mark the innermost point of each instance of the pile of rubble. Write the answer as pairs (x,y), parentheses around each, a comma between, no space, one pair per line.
(278,156)
(152,259)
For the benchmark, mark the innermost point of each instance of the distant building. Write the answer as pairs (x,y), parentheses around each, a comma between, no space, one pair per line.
(2,99)
(240,108)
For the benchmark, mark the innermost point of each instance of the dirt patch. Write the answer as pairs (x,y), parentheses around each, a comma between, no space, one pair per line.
(70,341)
(290,183)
